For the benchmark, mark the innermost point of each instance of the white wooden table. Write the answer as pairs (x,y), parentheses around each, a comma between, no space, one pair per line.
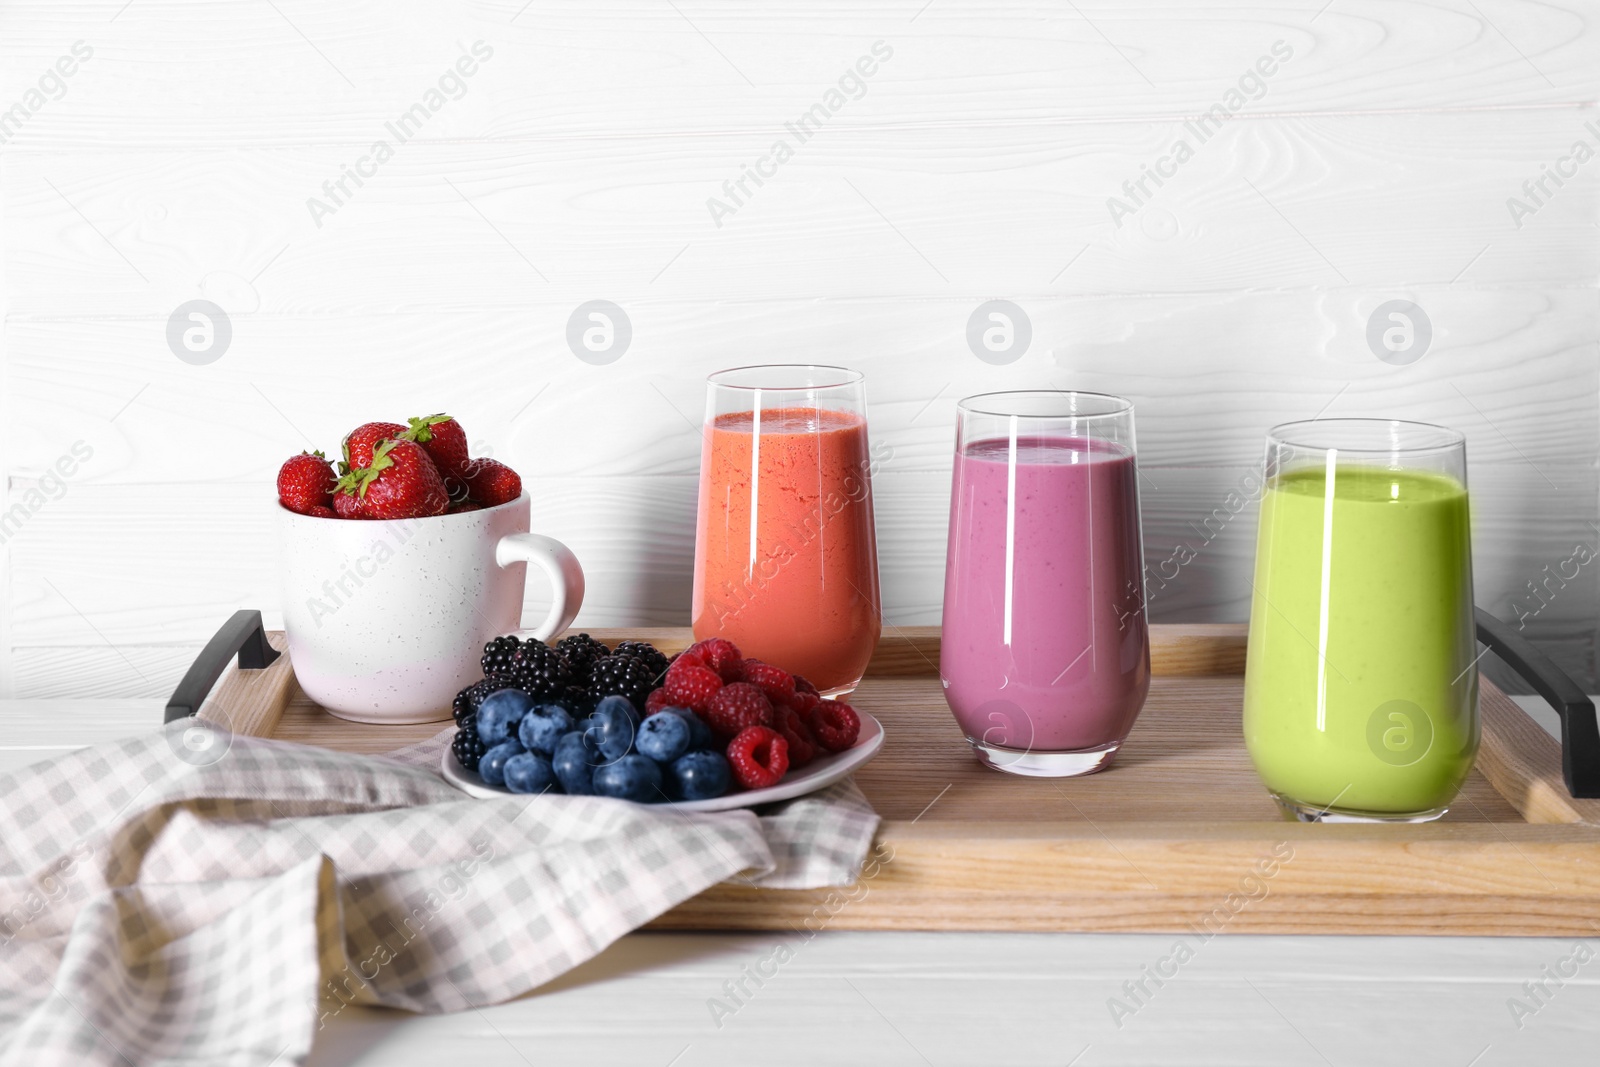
(973,998)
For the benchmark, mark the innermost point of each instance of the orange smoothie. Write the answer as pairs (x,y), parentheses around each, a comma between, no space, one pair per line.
(786,562)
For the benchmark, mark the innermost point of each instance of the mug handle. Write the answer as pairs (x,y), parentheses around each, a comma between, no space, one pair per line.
(559,564)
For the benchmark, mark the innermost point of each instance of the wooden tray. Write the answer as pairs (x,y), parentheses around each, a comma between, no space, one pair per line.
(1178,835)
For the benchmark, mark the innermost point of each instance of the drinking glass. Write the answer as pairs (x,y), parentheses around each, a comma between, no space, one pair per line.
(1361,685)
(786,562)
(1045,652)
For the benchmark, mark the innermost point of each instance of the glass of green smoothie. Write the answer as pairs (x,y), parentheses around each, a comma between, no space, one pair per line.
(1361,683)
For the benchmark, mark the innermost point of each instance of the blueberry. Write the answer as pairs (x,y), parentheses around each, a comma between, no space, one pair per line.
(663,737)
(612,727)
(542,727)
(699,776)
(701,739)
(529,772)
(500,713)
(574,763)
(492,768)
(578,739)
(613,704)
(632,777)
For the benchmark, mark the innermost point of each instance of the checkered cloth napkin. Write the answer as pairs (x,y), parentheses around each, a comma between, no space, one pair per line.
(190,896)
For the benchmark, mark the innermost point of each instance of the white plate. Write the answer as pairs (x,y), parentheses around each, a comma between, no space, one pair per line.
(821,773)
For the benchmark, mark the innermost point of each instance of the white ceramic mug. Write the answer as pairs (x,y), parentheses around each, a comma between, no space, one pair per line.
(387,619)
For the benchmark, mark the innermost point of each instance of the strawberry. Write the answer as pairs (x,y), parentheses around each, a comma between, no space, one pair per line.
(306,481)
(446,444)
(492,483)
(321,512)
(359,443)
(465,505)
(401,483)
(349,506)
(444,439)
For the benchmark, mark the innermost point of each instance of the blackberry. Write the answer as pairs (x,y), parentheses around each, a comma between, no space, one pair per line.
(577,701)
(467,701)
(622,675)
(498,654)
(540,671)
(582,652)
(651,656)
(468,746)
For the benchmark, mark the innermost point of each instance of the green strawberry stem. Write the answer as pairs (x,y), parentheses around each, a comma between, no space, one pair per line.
(422,427)
(357,479)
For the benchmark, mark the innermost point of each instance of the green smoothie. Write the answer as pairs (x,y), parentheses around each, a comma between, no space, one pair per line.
(1360,686)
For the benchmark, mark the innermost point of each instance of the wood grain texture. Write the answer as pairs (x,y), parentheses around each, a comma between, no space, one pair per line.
(1262,358)
(1360,999)
(107,616)
(1172,837)
(1185,761)
(1328,204)
(573,69)
(977,164)
(32,731)
(252,702)
(1021,1000)
(1523,762)
(1482,880)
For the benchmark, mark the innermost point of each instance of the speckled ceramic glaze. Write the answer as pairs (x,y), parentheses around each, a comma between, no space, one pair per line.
(387,619)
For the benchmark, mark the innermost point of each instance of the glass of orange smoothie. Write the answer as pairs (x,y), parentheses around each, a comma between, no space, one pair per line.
(786,561)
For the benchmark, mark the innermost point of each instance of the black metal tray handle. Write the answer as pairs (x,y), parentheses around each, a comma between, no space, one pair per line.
(244,634)
(1580,734)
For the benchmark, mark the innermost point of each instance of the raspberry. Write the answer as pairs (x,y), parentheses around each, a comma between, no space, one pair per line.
(737,707)
(657,700)
(803,702)
(721,655)
(692,654)
(803,686)
(835,725)
(776,682)
(691,686)
(759,757)
(802,746)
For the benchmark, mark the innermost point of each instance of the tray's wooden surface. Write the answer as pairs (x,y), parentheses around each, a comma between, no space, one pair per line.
(1162,840)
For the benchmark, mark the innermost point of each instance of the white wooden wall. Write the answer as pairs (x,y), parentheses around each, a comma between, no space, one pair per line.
(577,166)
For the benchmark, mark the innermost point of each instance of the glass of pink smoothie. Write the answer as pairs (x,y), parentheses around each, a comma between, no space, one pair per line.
(1045,652)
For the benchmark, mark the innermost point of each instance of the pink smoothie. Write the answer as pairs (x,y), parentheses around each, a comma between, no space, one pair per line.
(1062,663)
